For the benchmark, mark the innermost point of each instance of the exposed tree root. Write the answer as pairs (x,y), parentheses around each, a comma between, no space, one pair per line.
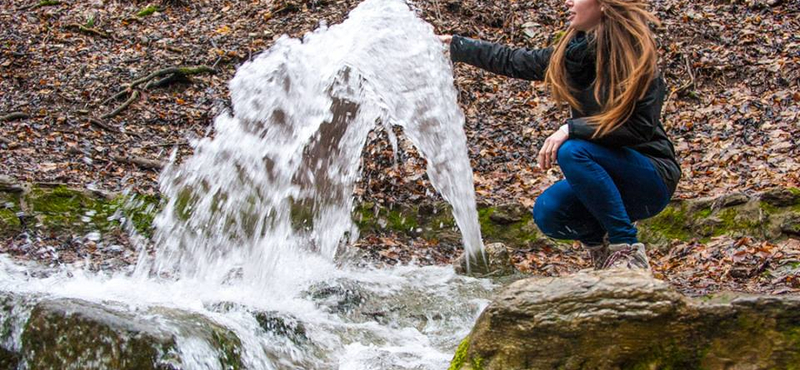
(165,77)
(134,96)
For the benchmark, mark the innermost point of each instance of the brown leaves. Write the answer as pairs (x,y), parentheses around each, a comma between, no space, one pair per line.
(723,263)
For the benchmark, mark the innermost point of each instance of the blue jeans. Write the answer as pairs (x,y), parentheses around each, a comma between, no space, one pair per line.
(605,190)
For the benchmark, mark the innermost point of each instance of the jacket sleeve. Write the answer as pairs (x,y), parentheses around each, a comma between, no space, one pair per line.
(639,128)
(528,64)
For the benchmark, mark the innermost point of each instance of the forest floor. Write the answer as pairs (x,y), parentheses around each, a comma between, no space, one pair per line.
(72,111)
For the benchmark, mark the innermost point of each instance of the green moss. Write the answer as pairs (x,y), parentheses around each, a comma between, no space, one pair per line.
(184,203)
(147,11)
(302,214)
(730,222)
(9,222)
(401,220)
(671,223)
(667,356)
(795,191)
(46,3)
(66,210)
(140,210)
(768,208)
(704,213)
(518,233)
(61,208)
(461,355)
(229,345)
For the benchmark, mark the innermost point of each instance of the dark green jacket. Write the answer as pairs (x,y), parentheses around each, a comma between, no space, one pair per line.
(643,132)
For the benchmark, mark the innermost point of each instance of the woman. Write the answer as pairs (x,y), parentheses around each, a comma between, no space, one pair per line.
(619,166)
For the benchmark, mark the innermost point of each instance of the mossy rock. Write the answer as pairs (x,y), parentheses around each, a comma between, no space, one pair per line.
(767,217)
(63,333)
(64,211)
(626,319)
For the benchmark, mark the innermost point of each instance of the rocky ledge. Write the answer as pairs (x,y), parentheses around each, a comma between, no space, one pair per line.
(621,319)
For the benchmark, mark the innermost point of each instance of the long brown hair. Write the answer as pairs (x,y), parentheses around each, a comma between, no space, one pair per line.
(626,63)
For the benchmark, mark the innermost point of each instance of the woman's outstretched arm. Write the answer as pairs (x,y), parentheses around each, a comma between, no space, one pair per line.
(528,64)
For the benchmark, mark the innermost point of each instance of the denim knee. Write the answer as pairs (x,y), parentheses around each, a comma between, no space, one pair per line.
(543,217)
(570,150)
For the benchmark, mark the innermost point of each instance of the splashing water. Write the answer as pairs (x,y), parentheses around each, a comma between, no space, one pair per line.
(257,215)
(301,115)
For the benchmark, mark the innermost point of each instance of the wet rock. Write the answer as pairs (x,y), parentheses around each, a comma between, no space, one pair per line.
(64,333)
(338,296)
(281,325)
(497,262)
(508,213)
(791,225)
(781,197)
(620,319)
(8,359)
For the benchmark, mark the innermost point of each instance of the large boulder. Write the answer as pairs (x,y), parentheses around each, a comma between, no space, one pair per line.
(620,319)
(72,333)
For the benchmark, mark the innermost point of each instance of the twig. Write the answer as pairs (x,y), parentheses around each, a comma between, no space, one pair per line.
(184,71)
(139,161)
(172,143)
(172,74)
(102,125)
(124,105)
(85,29)
(10,144)
(684,86)
(13,116)
(116,96)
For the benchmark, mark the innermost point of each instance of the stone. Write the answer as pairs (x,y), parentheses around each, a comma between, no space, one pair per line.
(497,262)
(282,325)
(8,359)
(339,296)
(507,214)
(780,197)
(10,184)
(730,200)
(791,225)
(624,319)
(61,333)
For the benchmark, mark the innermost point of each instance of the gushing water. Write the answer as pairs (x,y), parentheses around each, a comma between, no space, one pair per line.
(257,216)
(291,148)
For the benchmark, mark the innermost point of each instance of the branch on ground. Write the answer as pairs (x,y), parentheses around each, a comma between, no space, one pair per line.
(104,126)
(13,116)
(166,77)
(134,96)
(139,161)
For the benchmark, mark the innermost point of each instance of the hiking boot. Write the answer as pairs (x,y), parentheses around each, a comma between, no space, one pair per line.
(598,254)
(628,256)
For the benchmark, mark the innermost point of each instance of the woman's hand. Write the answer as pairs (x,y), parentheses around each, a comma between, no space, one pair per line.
(548,154)
(445,39)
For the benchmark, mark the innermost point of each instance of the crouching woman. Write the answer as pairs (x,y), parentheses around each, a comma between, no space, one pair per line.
(619,165)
